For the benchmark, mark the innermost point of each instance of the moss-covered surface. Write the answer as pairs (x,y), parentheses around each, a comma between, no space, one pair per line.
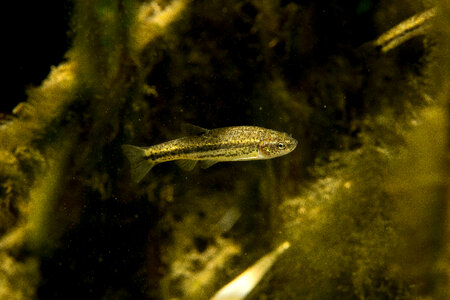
(362,199)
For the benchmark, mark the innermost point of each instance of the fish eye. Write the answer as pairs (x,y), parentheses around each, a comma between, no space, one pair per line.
(281,146)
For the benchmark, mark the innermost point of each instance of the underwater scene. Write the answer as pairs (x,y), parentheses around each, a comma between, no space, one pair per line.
(241,149)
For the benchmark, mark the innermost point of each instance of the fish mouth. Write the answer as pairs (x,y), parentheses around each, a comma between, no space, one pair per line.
(294,143)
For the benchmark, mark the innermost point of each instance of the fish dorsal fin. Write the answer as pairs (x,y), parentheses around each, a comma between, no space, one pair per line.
(186,164)
(205,164)
(191,129)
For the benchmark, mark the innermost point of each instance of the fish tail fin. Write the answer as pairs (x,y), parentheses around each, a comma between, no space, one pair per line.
(139,164)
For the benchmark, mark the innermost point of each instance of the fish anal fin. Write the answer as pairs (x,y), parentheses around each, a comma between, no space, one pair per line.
(186,164)
(204,164)
(191,129)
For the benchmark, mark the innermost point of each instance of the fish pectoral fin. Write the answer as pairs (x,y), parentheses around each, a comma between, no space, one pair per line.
(191,129)
(205,164)
(186,164)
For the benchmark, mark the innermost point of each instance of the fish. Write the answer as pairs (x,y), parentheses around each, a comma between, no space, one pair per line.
(208,147)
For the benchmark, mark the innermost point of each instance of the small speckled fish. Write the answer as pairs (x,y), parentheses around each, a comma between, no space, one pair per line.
(209,147)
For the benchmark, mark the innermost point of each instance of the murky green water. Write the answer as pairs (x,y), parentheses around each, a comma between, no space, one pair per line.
(359,210)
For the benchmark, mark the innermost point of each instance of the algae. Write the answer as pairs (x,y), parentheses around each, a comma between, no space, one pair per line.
(363,201)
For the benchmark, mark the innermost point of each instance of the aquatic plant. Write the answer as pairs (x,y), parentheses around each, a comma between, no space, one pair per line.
(369,170)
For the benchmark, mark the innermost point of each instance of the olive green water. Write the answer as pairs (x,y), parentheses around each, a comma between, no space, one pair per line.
(363,199)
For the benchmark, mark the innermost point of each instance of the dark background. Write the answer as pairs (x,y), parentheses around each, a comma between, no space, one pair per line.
(36,34)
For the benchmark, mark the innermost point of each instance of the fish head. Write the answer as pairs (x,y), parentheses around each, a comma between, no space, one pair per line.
(274,144)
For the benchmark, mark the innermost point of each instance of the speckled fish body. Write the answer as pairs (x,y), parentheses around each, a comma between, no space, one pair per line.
(211,146)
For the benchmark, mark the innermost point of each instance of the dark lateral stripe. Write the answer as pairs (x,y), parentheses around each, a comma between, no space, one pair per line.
(220,154)
(213,147)
(204,151)
(214,154)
